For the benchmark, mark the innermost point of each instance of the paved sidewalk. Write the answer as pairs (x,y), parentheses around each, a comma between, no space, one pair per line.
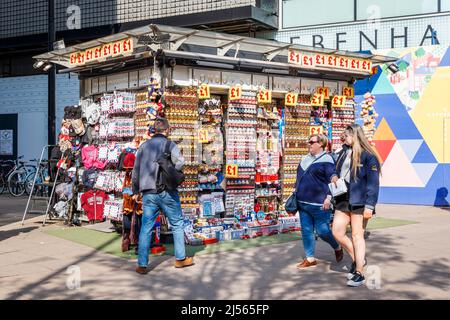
(414,261)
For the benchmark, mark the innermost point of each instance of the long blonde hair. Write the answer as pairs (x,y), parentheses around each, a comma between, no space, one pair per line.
(360,144)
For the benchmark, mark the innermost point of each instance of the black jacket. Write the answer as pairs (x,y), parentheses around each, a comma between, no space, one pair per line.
(364,189)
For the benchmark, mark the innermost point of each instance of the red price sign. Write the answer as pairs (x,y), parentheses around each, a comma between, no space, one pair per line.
(317,100)
(349,92)
(265,96)
(324,90)
(294,57)
(234,93)
(231,171)
(203,91)
(338,101)
(203,136)
(315,130)
(291,99)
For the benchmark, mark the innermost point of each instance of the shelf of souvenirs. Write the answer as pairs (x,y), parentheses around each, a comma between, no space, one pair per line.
(296,121)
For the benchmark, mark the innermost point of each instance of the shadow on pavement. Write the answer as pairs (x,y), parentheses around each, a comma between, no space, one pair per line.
(12,233)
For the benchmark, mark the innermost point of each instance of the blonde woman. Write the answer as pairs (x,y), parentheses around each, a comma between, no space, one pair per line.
(359,166)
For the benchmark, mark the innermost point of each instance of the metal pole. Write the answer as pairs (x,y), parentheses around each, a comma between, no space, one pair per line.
(51,78)
(34,182)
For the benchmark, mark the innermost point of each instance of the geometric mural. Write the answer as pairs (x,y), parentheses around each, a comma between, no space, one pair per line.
(414,125)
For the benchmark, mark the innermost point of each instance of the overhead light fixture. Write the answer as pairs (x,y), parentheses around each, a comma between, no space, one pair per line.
(393,68)
(47,67)
(215,65)
(38,64)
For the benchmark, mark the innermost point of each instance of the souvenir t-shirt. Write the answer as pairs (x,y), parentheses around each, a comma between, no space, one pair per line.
(93,203)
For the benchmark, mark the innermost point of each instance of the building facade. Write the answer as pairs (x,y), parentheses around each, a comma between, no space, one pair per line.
(23,34)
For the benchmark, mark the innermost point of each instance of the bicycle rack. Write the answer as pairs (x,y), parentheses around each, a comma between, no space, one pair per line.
(30,197)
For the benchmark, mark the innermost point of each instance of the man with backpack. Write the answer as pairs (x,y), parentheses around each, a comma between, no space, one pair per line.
(156,174)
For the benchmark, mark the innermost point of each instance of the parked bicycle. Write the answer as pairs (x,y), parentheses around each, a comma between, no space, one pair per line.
(6,168)
(42,176)
(17,176)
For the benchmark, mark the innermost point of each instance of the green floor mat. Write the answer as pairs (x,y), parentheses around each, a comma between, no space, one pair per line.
(111,242)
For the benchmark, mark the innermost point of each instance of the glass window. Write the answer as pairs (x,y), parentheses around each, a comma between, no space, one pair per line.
(445,5)
(373,9)
(306,12)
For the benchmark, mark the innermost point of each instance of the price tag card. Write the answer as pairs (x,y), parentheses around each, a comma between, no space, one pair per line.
(291,99)
(264,96)
(235,93)
(325,91)
(203,136)
(203,91)
(231,171)
(349,92)
(338,101)
(315,130)
(294,57)
(317,100)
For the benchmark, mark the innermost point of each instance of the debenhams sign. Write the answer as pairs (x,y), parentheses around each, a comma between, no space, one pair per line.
(381,35)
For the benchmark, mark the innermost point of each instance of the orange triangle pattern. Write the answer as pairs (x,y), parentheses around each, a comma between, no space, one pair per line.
(384,147)
(384,132)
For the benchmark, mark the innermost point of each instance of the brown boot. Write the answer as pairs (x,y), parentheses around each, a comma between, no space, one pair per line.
(141,270)
(187,262)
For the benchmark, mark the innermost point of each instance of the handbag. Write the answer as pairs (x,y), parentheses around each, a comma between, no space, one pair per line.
(291,205)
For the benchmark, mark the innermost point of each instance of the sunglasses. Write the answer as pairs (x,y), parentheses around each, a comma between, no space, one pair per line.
(312,142)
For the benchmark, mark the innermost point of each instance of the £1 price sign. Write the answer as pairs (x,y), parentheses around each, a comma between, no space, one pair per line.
(315,130)
(294,57)
(291,99)
(264,96)
(231,171)
(234,93)
(338,101)
(317,100)
(203,91)
(349,92)
(203,136)
(324,90)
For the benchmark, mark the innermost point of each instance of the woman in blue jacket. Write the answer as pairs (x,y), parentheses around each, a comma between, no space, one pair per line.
(359,166)
(314,199)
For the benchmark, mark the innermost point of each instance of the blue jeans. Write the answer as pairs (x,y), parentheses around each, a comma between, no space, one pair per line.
(313,217)
(169,203)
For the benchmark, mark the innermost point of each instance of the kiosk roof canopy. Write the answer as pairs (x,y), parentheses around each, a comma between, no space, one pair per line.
(191,40)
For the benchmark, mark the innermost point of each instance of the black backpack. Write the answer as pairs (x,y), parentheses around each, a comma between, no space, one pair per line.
(168,176)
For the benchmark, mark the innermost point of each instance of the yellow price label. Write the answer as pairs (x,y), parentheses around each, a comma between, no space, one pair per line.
(264,96)
(203,136)
(231,171)
(291,99)
(349,92)
(317,100)
(235,93)
(203,91)
(338,101)
(324,90)
(315,130)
